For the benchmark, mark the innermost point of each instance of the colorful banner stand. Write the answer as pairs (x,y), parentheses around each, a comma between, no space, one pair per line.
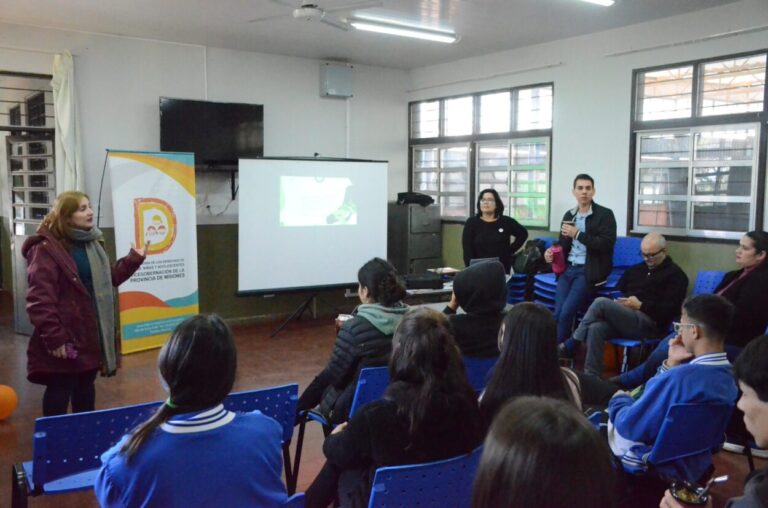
(153,197)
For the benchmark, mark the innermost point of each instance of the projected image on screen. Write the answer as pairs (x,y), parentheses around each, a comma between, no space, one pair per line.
(317,201)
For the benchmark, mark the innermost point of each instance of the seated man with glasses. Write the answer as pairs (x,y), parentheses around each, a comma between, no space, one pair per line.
(696,371)
(652,293)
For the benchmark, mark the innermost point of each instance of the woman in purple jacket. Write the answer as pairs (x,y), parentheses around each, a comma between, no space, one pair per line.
(70,302)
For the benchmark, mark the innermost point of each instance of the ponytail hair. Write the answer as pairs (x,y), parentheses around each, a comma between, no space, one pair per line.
(198,364)
(382,281)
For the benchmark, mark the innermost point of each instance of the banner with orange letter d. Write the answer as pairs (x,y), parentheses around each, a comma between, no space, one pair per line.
(153,198)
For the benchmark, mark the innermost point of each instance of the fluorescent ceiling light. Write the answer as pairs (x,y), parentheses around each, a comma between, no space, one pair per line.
(604,3)
(392,28)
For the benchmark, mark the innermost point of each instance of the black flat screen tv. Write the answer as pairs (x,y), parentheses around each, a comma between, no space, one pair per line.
(218,133)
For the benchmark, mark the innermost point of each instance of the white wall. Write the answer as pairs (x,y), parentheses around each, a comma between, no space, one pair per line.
(120,79)
(592,89)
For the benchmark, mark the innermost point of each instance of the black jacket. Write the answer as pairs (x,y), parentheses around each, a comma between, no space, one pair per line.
(481,291)
(378,436)
(599,239)
(482,239)
(358,345)
(750,297)
(661,290)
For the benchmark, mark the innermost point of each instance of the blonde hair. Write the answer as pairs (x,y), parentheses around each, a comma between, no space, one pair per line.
(65,206)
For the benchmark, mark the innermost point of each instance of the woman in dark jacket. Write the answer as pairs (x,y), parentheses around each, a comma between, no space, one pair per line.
(363,341)
(490,233)
(429,412)
(481,291)
(70,302)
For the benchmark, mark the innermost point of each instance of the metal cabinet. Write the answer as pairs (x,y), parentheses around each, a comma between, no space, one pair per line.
(414,237)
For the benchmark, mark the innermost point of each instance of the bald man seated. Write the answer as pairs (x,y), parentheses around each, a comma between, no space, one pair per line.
(652,292)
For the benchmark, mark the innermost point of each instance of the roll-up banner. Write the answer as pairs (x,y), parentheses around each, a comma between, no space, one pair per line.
(153,196)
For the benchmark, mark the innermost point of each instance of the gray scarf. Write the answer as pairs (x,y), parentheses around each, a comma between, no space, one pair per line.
(103,294)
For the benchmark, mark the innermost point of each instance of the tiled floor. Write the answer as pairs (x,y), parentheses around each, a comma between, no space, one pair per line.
(296,355)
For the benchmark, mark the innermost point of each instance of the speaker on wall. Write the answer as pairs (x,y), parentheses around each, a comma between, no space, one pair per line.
(336,79)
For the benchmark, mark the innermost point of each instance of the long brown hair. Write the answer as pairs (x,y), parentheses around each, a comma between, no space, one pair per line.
(543,452)
(65,206)
(198,364)
(426,368)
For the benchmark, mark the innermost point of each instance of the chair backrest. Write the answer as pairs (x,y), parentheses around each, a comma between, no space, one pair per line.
(706,282)
(477,371)
(626,251)
(442,484)
(69,444)
(548,241)
(688,430)
(278,402)
(371,385)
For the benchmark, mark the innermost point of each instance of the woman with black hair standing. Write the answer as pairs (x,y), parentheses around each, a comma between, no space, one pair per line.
(193,452)
(363,341)
(429,412)
(490,233)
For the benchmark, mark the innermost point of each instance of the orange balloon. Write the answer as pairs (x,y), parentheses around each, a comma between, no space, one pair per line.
(8,401)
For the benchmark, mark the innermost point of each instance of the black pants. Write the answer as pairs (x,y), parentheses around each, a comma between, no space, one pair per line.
(61,388)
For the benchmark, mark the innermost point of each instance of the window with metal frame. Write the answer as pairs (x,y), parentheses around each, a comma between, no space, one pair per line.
(698,144)
(498,139)
(518,169)
(442,171)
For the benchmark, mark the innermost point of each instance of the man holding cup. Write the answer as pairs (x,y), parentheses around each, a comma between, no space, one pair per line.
(587,236)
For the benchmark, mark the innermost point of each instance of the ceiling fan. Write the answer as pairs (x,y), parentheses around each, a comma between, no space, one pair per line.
(308,10)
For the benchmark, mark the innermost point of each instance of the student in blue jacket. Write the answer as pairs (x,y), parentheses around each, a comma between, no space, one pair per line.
(193,452)
(696,371)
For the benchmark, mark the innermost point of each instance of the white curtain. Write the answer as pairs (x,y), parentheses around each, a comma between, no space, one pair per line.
(69,161)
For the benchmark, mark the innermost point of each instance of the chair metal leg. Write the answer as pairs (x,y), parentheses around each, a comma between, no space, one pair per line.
(299,446)
(290,480)
(19,492)
(748,453)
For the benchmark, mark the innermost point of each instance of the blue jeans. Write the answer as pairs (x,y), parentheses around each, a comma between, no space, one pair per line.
(570,296)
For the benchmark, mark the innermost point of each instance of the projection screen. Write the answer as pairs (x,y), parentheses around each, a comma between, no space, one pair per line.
(309,223)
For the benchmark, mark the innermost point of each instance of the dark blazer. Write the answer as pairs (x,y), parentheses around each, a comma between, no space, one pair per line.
(599,238)
(750,297)
(661,290)
(61,308)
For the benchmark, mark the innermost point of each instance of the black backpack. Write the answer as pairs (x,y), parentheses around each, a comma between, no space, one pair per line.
(531,259)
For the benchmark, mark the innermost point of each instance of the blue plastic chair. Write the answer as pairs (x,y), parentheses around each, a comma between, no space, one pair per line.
(626,251)
(477,370)
(279,403)
(371,385)
(441,484)
(295,501)
(67,450)
(706,282)
(689,430)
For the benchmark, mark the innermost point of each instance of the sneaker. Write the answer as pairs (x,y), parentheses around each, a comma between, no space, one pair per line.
(733,447)
(758,453)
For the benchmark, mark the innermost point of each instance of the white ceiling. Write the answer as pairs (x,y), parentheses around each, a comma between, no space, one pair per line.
(485,26)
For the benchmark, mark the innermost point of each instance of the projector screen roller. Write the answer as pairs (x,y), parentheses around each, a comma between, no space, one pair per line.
(309,223)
